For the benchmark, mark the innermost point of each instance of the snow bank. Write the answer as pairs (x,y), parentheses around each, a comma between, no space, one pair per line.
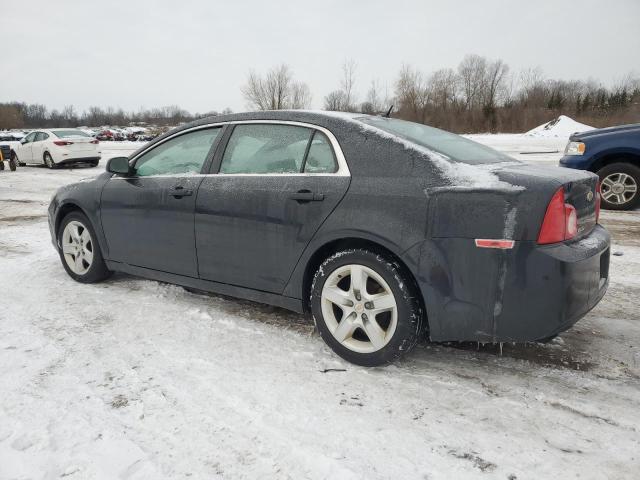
(562,127)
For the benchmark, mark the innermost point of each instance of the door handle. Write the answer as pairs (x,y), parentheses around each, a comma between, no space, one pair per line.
(179,192)
(304,196)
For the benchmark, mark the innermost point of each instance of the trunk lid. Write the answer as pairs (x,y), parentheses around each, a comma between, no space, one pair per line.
(580,189)
(80,144)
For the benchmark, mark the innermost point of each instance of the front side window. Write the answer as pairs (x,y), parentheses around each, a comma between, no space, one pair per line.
(184,154)
(266,148)
(41,136)
(29,138)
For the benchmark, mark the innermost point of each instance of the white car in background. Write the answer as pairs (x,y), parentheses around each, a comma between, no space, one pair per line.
(57,146)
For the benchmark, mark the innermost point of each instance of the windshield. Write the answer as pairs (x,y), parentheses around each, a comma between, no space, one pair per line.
(69,133)
(453,146)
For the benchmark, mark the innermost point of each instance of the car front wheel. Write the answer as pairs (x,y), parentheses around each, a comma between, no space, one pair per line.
(365,307)
(79,250)
(619,184)
(15,158)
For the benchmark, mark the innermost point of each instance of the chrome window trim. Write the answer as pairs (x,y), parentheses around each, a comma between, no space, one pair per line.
(343,168)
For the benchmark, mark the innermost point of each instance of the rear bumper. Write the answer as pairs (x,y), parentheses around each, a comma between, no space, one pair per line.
(525,294)
(65,160)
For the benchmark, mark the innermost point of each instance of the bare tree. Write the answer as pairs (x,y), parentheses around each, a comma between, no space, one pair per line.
(277,90)
(494,82)
(335,101)
(443,88)
(347,83)
(374,101)
(471,71)
(412,93)
(300,95)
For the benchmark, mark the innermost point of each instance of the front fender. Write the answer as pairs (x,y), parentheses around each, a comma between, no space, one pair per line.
(83,196)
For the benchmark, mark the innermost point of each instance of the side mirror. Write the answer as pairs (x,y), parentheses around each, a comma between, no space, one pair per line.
(23,141)
(119,166)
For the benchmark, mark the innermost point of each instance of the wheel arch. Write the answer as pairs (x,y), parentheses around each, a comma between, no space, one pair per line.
(609,157)
(324,251)
(64,210)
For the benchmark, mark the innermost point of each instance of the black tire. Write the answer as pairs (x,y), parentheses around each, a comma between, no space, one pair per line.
(411,320)
(12,165)
(48,160)
(621,168)
(1,165)
(15,158)
(98,270)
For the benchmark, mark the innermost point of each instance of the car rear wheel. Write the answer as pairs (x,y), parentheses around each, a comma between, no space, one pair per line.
(619,184)
(365,307)
(79,250)
(48,160)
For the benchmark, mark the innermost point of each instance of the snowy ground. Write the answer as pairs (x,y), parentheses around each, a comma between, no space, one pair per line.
(135,379)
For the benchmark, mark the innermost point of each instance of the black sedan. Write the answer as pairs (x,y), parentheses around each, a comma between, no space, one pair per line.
(383,230)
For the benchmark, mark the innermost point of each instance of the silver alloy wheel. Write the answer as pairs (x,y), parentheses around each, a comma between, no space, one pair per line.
(618,188)
(359,308)
(77,247)
(48,161)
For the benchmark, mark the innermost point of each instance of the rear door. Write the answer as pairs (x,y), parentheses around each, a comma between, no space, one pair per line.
(37,149)
(148,218)
(276,184)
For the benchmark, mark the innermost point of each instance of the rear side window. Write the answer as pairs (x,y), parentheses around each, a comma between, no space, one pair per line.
(69,133)
(184,154)
(320,158)
(266,148)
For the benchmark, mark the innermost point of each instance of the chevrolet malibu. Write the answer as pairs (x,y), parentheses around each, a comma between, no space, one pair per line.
(383,230)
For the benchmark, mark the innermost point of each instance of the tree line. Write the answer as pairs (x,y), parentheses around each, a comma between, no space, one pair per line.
(479,95)
(25,115)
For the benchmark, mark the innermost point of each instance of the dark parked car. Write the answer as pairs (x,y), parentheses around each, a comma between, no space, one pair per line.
(382,229)
(614,154)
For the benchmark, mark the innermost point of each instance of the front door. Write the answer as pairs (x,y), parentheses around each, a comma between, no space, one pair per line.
(276,185)
(24,153)
(148,217)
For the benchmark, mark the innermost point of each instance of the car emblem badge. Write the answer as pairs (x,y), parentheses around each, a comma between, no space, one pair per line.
(589,196)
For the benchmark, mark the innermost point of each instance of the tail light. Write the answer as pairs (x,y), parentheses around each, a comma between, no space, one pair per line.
(94,142)
(598,200)
(560,221)
(62,143)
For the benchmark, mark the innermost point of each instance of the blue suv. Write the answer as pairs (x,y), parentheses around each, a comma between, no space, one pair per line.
(614,154)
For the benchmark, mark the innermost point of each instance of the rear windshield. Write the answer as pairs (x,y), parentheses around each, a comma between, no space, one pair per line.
(453,146)
(69,133)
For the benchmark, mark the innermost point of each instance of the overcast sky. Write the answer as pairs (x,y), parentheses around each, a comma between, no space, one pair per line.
(197,53)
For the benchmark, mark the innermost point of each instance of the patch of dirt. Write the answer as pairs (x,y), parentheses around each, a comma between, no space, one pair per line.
(538,353)
(477,461)
(119,401)
(22,218)
(567,408)
(14,200)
